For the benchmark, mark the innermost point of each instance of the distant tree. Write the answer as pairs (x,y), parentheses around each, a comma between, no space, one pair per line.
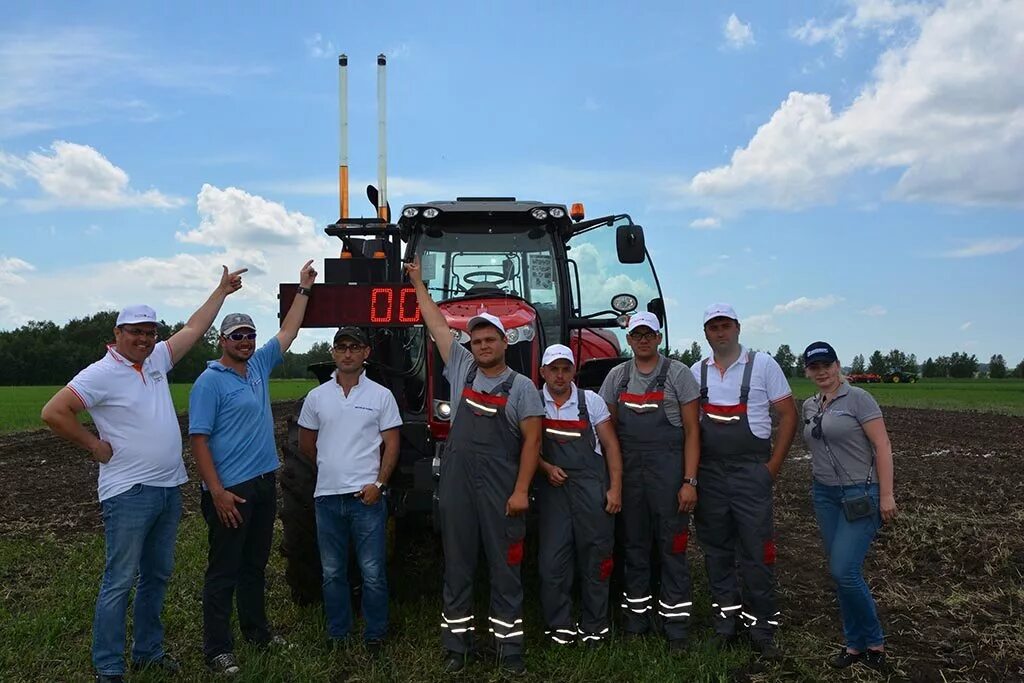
(997,367)
(912,365)
(1019,370)
(786,360)
(929,368)
(942,364)
(961,365)
(687,357)
(897,360)
(857,366)
(876,364)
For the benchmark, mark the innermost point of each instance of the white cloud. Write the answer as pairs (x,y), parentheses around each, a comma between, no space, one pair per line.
(760,324)
(881,16)
(10,267)
(706,223)
(966,326)
(737,34)
(234,217)
(804,304)
(320,48)
(986,247)
(946,107)
(875,310)
(78,176)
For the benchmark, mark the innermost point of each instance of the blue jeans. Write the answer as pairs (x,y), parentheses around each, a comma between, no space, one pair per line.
(339,520)
(140,526)
(846,544)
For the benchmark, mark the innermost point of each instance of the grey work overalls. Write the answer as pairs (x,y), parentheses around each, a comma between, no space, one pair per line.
(734,514)
(652,474)
(478,474)
(573,522)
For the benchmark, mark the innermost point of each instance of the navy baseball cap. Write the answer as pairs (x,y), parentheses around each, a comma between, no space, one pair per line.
(820,352)
(351,332)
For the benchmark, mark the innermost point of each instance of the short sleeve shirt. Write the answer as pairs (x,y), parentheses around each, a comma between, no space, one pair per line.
(842,423)
(234,412)
(133,412)
(680,387)
(570,410)
(348,430)
(523,399)
(768,385)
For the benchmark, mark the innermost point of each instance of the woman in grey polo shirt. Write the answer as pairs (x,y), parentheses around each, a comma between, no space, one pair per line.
(851,460)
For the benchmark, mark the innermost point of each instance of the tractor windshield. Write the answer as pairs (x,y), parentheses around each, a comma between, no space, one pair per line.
(494,260)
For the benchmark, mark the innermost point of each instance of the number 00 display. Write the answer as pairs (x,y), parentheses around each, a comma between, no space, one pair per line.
(335,305)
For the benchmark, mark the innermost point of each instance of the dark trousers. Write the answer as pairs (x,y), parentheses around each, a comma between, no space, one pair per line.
(236,565)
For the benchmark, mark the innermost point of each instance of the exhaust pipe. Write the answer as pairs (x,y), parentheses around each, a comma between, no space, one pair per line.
(343,134)
(382,145)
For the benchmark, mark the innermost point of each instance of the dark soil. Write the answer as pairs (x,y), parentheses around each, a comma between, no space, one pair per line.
(948,575)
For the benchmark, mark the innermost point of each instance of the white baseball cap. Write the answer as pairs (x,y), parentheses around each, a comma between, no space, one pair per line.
(556,352)
(485,319)
(720,311)
(140,313)
(643,319)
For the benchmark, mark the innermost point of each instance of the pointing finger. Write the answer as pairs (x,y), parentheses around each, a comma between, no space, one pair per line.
(237,272)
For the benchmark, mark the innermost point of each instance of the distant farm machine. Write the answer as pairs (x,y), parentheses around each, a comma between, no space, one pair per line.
(539,266)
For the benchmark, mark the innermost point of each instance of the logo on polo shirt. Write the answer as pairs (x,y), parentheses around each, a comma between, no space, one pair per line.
(156,376)
(364,408)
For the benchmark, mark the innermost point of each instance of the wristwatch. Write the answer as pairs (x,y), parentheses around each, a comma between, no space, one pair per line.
(304,290)
(692,481)
(379,484)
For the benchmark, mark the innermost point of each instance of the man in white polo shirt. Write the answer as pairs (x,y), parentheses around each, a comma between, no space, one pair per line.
(139,451)
(738,465)
(344,425)
(578,500)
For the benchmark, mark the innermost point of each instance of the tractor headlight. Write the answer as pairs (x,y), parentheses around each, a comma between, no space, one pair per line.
(624,303)
(522,333)
(430,212)
(442,409)
(540,214)
(557,212)
(410,212)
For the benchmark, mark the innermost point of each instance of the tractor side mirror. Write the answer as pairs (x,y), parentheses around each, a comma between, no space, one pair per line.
(629,243)
(657,307)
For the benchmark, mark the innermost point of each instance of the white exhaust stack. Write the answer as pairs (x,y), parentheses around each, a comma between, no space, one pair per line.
(343,134)
(382,145)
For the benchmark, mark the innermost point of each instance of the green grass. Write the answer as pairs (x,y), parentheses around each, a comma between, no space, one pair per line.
(986,395)
(20,406)
(48,587)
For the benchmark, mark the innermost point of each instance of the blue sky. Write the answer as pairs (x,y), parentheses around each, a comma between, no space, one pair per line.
(846,170)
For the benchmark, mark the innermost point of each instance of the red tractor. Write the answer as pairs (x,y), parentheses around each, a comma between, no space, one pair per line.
(550,279)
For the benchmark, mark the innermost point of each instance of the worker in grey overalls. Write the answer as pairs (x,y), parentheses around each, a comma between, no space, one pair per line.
(654,402)
(738,466)
(578,497)
(487,466)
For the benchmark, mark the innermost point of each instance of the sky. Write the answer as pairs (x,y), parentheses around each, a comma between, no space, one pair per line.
(848,170)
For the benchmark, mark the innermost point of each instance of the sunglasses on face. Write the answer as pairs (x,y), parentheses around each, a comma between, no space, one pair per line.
(239,336)
(643,336)
(349,348)
(138,332)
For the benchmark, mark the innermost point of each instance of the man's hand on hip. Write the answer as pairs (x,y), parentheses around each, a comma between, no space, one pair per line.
(225,503)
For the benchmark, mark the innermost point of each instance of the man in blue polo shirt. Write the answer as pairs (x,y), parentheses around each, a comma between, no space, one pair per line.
(232,437)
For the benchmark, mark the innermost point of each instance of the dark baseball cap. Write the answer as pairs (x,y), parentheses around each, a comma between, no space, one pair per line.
(819,352)
(351,332)
(236,321)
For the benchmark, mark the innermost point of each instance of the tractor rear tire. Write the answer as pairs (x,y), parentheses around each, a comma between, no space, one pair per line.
(896,379)
(303,571)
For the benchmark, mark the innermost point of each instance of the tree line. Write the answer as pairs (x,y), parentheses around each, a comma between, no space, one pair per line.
(958,364)
(45,353)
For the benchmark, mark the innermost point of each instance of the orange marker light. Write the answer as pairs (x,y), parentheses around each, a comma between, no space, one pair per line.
(576,211)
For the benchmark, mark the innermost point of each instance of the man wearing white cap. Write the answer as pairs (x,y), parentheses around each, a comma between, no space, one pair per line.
(653,400)
(231,431)
(139,451)
(737,467)
(489,460)
(577,500)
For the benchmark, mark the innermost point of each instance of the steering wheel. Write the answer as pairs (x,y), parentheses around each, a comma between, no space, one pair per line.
(479,277)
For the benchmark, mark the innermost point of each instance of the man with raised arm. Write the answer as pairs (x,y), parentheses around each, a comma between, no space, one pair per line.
(489,460)
(139,450)
(231,430)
